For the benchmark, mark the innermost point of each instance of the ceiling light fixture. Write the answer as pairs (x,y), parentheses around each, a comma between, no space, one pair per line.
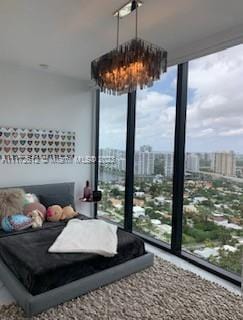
(136,63)
(127,9)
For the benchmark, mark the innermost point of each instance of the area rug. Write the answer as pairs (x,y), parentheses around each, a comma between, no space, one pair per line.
(158,293)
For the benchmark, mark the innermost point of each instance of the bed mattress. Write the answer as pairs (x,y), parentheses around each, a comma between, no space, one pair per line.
(26,255)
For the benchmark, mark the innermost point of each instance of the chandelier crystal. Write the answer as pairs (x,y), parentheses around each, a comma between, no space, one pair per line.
(136,63)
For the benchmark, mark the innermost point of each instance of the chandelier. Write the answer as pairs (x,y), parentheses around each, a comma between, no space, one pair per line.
(136,63)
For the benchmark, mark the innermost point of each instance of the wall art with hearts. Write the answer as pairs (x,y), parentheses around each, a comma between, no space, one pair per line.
(15,142)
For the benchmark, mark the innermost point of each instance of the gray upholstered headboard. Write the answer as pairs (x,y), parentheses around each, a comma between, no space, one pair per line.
(57,193)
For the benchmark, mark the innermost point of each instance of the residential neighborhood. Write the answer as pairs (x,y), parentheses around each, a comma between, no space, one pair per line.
(213,208)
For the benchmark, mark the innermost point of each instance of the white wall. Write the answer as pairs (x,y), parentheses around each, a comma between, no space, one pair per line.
(38,99)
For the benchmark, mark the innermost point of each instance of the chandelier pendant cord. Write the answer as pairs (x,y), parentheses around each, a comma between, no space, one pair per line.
(118,29)
(136,27)
(118,25)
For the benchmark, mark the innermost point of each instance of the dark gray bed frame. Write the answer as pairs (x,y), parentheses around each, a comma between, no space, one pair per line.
(33,305)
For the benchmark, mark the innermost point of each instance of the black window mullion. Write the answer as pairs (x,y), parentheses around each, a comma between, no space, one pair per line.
(130,150)
(179,158)
(97,139)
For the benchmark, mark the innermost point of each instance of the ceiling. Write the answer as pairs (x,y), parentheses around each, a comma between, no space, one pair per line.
(68,34)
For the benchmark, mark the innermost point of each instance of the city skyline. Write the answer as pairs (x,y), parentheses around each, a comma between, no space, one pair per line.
(214,121)
(166,151)
(148,162)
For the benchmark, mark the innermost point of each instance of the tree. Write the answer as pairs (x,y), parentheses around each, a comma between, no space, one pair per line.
(241,210)
(204,213)
(224,236)
(115,192)
(217,183)
(152,214)
(228,260)
(186,202)
(155,190)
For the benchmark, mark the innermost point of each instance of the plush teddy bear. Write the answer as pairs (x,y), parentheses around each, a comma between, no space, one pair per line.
(54,213)
(37,218)
(68,213)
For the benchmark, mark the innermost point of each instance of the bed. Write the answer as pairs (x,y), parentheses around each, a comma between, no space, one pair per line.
(39,280)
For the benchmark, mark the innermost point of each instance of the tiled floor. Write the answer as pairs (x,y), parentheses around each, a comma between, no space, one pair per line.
(6,298)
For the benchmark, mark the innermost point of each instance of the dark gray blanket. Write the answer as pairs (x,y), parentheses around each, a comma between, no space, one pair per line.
(26,255)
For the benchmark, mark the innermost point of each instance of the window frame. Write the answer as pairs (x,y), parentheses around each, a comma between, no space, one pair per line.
(178,176)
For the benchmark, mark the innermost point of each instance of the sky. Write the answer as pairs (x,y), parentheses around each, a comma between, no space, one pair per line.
(214,111)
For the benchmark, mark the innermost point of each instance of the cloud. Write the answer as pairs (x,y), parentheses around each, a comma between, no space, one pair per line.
(113,113)
(237,132)
(215,108)
(216,96)
(155,119)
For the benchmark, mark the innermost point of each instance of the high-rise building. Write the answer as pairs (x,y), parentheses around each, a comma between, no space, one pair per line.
(146,148)
(169,162)
(224,163)
(116,159)
(112,159)
(144,161)
(122,164)
(192,162)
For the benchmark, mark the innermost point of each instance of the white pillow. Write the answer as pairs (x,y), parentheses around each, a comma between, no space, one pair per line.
(87,236)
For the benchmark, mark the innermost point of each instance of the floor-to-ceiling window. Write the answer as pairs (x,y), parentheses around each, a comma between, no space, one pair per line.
(213,186)
(112,163)
(153,161)
(213,197)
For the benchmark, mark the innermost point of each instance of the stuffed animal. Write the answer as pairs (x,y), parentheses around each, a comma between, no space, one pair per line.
(35,206)
(16,222)
(68,213)
(30,198)
(54,213)
(11,202)
(37,218)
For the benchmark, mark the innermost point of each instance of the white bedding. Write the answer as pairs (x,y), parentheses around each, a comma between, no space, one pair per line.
(87,236)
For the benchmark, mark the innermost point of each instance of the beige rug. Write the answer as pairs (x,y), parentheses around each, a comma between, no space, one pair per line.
(161,292)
